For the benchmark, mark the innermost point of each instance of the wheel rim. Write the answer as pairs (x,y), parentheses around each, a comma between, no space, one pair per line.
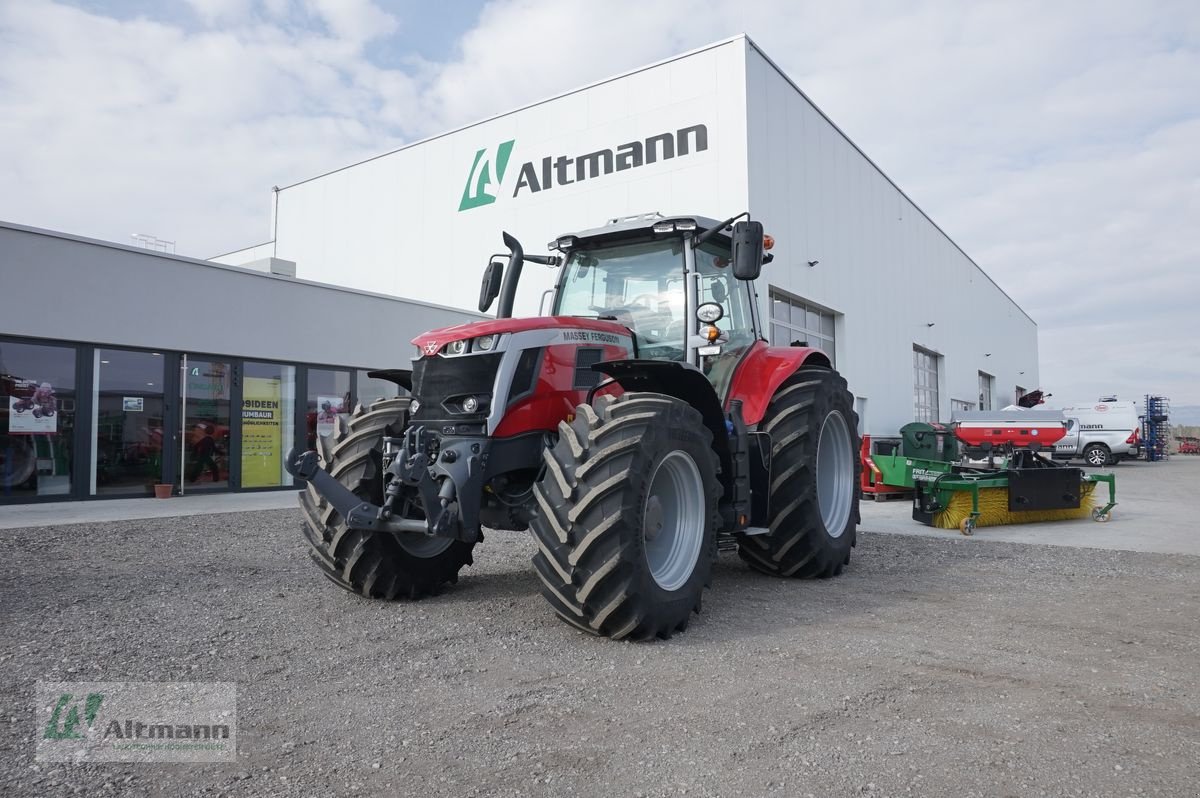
(415,543)
(423,546)
(673,520)
(835,473)
(1096,457)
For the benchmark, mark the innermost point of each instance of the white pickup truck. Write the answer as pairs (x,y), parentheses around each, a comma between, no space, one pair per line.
(1101,433)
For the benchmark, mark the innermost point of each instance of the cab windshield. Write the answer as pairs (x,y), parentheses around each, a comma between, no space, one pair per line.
(639,285)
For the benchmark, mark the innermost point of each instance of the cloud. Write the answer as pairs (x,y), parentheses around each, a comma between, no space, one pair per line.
(1054,142)
(354,20)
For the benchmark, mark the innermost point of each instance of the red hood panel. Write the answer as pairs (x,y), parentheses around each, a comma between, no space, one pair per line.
(439,338)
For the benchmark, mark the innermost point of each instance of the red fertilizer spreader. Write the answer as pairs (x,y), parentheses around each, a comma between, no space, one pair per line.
(1016,429)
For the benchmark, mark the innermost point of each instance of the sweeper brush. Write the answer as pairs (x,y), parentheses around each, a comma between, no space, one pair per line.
(993,509)
(986,469)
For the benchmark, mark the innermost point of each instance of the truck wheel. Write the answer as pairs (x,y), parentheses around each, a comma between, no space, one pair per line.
(1097,455)
(626,515)
(374,564)
(814,488)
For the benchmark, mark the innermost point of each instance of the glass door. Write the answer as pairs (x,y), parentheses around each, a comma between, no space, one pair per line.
(205,431)
(127,422)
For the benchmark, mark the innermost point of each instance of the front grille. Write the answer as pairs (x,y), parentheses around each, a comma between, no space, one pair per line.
(435,379)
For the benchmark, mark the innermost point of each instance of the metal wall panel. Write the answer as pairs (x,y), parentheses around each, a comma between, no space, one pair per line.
(68,288)
(882,263)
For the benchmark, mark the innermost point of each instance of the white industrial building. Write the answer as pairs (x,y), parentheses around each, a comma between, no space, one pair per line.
(859,269)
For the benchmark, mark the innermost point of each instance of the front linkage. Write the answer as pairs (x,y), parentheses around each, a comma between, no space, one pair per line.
(446,474)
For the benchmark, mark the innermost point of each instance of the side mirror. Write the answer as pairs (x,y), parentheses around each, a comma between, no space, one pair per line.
(490,289)
(747,250)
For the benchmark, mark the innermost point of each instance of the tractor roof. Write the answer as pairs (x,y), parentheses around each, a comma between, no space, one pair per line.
(632,226)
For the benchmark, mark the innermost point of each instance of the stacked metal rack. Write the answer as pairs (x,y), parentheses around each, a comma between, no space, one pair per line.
(1156,427)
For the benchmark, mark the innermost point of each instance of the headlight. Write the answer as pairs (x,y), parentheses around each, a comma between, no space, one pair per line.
(456,347)
(470,404)
(483,343)
(710,312)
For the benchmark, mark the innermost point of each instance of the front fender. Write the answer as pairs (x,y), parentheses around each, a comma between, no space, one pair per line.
(763,370)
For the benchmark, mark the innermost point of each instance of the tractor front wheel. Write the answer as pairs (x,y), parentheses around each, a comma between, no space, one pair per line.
(625,518)
(374,564)
(814,488)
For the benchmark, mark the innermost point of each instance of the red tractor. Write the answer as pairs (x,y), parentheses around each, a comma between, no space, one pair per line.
(637,430)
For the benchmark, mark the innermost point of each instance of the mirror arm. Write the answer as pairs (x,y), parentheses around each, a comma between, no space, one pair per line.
(712,231)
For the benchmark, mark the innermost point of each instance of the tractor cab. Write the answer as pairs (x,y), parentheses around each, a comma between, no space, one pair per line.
(683,286)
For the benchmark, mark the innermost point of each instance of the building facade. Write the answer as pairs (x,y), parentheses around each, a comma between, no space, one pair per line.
(918,329)
(122,369)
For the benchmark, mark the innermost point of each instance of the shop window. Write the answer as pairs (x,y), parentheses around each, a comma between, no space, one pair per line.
(368,390)
(328,401)
(268,428)
(37,420)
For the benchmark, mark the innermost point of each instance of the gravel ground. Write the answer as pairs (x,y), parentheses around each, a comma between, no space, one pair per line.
(931,667)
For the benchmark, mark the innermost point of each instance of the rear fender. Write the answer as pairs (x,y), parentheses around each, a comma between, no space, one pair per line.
(763,370)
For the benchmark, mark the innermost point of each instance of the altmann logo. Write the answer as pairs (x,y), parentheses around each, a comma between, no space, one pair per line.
(563,170)
(476,192)
(66,727)
(136,721)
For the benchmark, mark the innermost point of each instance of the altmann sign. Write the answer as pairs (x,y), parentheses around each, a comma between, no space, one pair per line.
(136,722)
(486,177)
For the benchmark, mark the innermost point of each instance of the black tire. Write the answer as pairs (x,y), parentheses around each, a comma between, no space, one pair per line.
(798,544)
(591,505)
(374,564)
(1097,455)
(18,461)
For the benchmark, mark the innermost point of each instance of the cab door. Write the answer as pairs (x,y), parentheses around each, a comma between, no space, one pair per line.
(1068,445)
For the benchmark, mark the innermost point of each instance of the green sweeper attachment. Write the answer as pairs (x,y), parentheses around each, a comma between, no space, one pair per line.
(987,469)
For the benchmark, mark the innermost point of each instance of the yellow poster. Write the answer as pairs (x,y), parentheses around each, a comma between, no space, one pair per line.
(262,433)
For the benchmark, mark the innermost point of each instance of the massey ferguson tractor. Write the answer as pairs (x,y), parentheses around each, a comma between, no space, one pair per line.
(641,427)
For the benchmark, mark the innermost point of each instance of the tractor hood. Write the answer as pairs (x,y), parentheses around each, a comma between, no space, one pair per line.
(576,329)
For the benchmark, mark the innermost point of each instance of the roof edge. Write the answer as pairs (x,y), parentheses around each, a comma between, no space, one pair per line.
(183,259)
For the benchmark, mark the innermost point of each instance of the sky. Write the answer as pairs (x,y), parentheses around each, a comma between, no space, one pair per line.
(1057,143)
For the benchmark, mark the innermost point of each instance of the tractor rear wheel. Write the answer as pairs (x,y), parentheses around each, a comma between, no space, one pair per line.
(814,487)
(374,564)
(625,518)
(18,461)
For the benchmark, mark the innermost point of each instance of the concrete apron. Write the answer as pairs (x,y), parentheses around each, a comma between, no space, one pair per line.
(1158,507)
(89,512)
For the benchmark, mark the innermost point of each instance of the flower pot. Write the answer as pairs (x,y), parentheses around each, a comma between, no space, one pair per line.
(163,491)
